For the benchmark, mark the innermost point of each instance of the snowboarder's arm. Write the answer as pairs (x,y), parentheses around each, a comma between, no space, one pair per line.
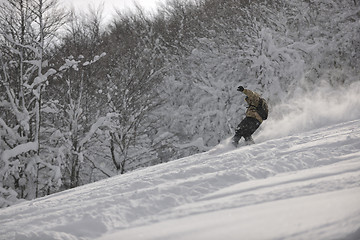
(250,94)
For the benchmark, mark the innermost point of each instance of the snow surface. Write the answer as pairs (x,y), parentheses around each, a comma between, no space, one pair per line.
(303,186)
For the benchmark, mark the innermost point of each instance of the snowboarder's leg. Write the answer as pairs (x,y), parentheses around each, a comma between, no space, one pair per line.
(252,125)
(239,132)
(245,129)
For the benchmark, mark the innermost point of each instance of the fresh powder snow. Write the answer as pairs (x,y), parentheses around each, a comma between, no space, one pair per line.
(302,186)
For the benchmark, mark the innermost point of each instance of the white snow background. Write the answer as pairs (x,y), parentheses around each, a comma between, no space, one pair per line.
(300,181)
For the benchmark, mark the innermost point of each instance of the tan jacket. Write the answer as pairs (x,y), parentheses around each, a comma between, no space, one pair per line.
(253,100)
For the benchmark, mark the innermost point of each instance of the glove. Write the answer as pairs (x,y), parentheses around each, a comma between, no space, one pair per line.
(241,88)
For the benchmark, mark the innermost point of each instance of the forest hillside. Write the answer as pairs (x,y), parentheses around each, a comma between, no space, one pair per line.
(81,102)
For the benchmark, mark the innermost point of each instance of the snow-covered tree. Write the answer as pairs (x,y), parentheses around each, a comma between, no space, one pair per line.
(273,47)
(135,74)
(24,76)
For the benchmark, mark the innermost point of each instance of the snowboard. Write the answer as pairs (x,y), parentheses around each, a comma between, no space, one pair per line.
(223,147)
(227,146)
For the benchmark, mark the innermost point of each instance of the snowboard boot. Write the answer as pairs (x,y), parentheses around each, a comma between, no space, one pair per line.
(249,140)
(235,141)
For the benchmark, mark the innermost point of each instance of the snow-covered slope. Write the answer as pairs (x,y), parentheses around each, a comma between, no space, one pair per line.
(304,186)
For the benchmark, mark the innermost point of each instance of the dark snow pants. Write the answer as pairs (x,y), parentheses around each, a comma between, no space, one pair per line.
(245,129)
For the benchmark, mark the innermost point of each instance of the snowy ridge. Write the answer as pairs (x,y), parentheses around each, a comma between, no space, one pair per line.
(309,183)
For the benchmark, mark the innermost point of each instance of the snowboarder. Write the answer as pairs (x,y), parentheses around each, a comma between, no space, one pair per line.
(255,114)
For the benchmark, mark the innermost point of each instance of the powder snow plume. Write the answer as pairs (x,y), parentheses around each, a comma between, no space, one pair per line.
(322,106)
